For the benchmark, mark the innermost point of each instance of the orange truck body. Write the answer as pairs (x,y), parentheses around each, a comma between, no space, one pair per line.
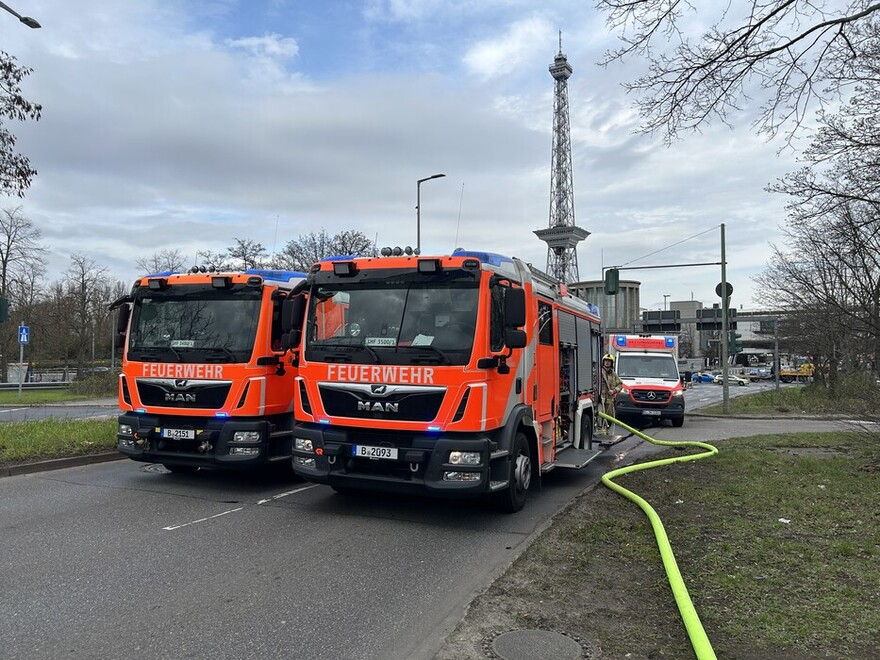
(415,376)
(203,381)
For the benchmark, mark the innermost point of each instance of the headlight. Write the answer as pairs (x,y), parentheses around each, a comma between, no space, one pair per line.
(125,429)
(246,436)
(461,476)
(303,444)
(464,457)
(677,392)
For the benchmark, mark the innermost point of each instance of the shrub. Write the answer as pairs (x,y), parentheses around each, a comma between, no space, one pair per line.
(96,384)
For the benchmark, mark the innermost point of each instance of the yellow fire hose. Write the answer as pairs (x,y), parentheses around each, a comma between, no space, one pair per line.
(700,642)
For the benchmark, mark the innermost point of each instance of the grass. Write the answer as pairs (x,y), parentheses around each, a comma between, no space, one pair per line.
(55,438)
(856,395)
(777,538)
(38,397)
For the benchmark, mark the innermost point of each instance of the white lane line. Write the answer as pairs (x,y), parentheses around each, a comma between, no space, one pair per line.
(271,499)
(9,410)
(290,492)
(201,520)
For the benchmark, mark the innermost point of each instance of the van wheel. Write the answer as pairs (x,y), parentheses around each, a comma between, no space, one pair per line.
(677,421)
(514,498)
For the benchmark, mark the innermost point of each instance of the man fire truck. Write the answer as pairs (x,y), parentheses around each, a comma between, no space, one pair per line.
(203,383)
(648,367)
(453,376)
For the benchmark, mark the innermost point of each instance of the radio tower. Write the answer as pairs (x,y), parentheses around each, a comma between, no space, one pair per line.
(562,236)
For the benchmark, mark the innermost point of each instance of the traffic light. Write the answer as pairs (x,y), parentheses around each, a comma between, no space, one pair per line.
(733,344)
(612,282)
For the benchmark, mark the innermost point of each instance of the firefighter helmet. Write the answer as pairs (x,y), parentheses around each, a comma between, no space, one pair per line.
(608,356)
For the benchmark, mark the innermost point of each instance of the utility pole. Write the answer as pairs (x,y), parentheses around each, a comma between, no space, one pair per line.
(725,327)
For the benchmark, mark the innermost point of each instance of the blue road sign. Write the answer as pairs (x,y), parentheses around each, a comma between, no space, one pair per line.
(24,332)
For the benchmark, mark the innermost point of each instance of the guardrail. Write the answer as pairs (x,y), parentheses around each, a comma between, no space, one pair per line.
(60,385)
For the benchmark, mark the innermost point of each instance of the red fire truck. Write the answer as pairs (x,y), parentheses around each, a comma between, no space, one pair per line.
(203,381)
(456,375)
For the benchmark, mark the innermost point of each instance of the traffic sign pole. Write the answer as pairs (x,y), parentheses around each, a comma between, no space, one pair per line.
(23,338)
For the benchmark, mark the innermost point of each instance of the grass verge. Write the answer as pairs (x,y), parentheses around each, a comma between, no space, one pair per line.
(22,442)
(38,397)
(777,538)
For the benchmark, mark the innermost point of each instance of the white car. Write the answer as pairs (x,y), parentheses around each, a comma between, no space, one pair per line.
(732,379)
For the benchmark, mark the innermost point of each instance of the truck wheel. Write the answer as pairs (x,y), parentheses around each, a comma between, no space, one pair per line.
(181,469)
(677,421)
(514,498)
(586,431)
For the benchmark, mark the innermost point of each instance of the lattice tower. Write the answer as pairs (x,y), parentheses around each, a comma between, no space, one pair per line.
(562,236)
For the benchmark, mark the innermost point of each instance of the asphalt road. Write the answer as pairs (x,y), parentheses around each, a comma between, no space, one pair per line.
(123,559)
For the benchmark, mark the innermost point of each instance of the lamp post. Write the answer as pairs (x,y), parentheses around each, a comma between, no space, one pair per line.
(27,20)
(419,209)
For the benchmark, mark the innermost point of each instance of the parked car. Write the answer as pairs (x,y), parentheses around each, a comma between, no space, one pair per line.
(732,379)
(760,373)
(702,377)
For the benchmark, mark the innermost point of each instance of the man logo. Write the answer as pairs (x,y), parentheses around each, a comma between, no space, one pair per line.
(180,384)
(180,397)
(377,406)
(378,390)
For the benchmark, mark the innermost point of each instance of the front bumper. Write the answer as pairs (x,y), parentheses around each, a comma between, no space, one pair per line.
(419,468)
(213,445)
(624,406)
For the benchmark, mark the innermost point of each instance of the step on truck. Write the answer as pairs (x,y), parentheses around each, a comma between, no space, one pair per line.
(203,381)
(457,376)
(648,368)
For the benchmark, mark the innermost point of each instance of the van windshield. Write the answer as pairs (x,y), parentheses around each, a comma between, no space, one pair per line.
(631,365)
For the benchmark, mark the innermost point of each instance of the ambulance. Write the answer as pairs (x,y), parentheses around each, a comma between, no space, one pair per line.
(648,368)
(463,375)
(204,382)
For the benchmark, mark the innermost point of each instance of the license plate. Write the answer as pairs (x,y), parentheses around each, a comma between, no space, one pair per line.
(366,451)
(179,434)
(653,413)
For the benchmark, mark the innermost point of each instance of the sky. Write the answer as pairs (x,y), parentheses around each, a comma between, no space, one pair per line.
(186,125)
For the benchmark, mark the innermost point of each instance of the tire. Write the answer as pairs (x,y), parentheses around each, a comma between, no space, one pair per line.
(586,431)
(181,469)
(346,492)
(514,498)
(677,421)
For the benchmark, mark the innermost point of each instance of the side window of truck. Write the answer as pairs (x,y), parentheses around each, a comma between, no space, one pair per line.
(545,323)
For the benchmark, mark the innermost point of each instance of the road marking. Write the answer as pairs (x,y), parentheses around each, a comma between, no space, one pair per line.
(9,410)
(201,520)
(290,492)
(171,528)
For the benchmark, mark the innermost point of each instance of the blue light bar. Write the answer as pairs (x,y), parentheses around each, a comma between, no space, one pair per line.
(339,257)
(280,276)
(492,258)
(434,428)
(620,340)
(324,421)
(221,414)
(141,410)
(670,342)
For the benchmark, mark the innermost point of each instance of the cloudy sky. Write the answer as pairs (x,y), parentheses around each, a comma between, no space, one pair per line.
(185,125)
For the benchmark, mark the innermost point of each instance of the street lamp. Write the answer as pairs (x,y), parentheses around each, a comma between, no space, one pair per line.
(419,210)
(27,20)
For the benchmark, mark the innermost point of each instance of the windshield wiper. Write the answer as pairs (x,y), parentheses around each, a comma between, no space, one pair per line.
(220,349)
(438,354)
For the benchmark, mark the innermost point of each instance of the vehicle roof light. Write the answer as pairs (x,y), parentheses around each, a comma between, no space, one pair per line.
(158,284)
(429,265)
(221,282)
(344,268)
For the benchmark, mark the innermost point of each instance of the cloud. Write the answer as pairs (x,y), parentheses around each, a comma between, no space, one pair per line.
(521,42)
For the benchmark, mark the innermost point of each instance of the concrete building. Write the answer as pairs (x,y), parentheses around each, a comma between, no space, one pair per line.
(618,312)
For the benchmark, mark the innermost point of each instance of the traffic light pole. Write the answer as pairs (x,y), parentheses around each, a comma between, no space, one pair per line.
(725,327)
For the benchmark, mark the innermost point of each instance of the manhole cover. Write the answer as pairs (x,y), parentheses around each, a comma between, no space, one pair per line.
(535,645)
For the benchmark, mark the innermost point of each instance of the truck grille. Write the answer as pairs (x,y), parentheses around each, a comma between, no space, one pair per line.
(183,393)
(402,403)
(651,396)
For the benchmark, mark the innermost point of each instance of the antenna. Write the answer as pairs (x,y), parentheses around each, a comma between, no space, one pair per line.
(458,224)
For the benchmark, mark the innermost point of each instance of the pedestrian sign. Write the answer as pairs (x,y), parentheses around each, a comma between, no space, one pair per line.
(24,332)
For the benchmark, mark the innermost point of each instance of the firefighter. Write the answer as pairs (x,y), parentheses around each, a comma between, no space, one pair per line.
(611,387)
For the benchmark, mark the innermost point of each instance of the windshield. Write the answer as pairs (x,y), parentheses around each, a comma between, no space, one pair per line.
(194,323)
(647,366)
(393,322)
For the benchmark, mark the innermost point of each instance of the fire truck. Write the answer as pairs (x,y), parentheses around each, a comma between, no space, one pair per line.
(204,382)
(648,368)
(459,375)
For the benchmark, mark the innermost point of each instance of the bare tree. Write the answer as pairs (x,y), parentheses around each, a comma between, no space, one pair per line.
(160,262)
(247,254)
(16,172)
(88,288)
(306,249)
(215,260)
(788,53)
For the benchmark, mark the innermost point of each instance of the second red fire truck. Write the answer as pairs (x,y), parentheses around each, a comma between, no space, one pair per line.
(457,375)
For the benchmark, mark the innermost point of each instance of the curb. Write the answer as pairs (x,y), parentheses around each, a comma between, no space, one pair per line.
(59,463)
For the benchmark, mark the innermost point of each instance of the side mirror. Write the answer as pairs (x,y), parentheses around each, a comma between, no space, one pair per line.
(515,338)
(121,326)
(514,308)
(290,339)
(291,314)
